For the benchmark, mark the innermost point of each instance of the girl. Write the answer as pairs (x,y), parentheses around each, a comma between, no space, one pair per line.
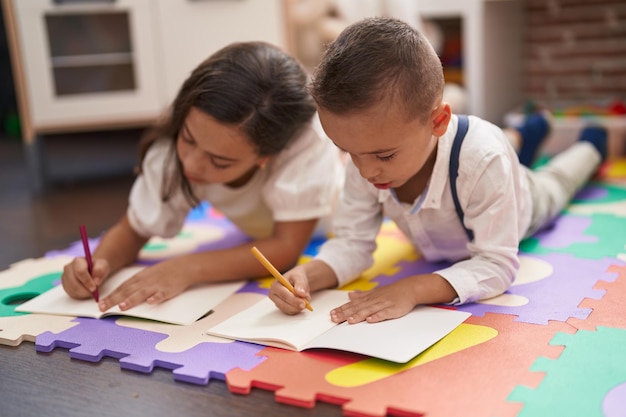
(242,134)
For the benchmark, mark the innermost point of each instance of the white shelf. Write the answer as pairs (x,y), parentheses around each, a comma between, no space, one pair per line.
(492,51)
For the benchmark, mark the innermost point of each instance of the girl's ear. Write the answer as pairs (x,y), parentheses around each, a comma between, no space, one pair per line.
(441,117)
(262,162)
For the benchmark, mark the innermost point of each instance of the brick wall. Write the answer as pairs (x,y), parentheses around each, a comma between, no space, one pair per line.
(575,50)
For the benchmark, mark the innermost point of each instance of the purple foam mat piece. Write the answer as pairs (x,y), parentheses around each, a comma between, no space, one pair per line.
(591,193)
(199,364)
(254,287)
(571,229)
(75,249)
(554,298)
(93,339)
(614,404)
(557,296)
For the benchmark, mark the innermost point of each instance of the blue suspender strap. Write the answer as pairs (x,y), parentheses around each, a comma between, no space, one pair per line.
(454,169)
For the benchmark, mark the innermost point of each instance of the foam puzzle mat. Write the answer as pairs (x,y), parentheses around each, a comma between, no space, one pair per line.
(554,344)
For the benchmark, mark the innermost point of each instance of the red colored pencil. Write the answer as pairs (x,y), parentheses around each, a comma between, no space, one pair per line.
(83,236)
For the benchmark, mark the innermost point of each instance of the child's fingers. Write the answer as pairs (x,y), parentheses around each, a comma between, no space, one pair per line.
(357,310)
(127,295)
(82,274)
(100,271)
(137,298)
(76,279)
(301,285)
(284,300)
(357,295)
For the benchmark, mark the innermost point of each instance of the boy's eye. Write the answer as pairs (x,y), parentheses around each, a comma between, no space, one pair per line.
(385,157)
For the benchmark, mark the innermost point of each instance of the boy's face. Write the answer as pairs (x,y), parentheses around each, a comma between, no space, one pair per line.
(387,149)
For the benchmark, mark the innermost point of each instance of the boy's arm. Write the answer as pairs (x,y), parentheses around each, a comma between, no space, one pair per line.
(343,257)
(492,212)
(355,227)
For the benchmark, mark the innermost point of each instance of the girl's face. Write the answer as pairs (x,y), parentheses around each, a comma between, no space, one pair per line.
(387,149)
(215,153)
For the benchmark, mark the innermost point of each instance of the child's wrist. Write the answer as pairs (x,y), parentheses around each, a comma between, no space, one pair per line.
(320,275)
(431,289)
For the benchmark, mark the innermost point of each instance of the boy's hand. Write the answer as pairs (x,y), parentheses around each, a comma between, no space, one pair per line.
(283,298)
(394,300)
(76,280)
(384,303)
(153,285)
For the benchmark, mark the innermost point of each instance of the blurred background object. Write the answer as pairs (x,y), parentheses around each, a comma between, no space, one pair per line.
(79,73)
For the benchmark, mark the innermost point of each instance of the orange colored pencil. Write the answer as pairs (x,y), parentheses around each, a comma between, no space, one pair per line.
(267,264)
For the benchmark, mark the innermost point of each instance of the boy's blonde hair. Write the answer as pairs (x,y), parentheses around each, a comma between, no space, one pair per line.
(379,60)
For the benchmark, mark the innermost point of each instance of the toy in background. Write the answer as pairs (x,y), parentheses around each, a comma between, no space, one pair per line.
(615,107)
(315,23)
(568,119)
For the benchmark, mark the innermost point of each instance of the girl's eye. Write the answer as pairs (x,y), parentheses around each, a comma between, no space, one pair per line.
(219,165)
(186,139)
(386,157)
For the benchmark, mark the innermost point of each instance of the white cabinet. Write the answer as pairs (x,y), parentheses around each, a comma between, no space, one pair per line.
(87,65)
(98,63)
(491,40)
(190,31)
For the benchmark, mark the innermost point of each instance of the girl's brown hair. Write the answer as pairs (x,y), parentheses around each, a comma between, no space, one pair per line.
(254,86)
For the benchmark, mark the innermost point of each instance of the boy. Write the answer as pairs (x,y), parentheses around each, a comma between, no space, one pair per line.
(379,94)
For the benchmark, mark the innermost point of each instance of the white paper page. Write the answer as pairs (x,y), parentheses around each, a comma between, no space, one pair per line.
(182,309)
(263,323)
(398,340)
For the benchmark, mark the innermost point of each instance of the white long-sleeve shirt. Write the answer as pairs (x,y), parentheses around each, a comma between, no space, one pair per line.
(302,182)
(493,191)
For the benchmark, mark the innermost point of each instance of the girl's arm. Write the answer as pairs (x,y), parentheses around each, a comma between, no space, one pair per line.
(282,249)
(120,245)
(171,277)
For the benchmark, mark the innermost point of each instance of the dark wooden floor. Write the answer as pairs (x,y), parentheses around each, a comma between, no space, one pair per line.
(36,384)
(33,223)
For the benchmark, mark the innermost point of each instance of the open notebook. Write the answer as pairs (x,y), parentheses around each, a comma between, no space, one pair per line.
(185,308)
(397,340)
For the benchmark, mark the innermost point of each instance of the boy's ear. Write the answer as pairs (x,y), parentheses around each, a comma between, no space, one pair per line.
(441,117)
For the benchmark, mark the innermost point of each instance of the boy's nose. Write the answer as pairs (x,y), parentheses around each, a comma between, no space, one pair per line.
(368,171)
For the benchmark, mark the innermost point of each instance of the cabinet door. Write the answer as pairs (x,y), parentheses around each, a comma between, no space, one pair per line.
(88,62)
(190,31)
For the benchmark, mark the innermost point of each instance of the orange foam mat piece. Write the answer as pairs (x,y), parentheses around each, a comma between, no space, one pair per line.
(610,310)
(452,378)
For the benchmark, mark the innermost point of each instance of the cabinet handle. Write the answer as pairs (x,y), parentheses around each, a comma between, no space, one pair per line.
(82,1)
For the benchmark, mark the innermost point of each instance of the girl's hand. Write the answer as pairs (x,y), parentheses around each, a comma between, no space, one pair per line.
(153,285)
(284,299)
(384,303)
(76,280)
